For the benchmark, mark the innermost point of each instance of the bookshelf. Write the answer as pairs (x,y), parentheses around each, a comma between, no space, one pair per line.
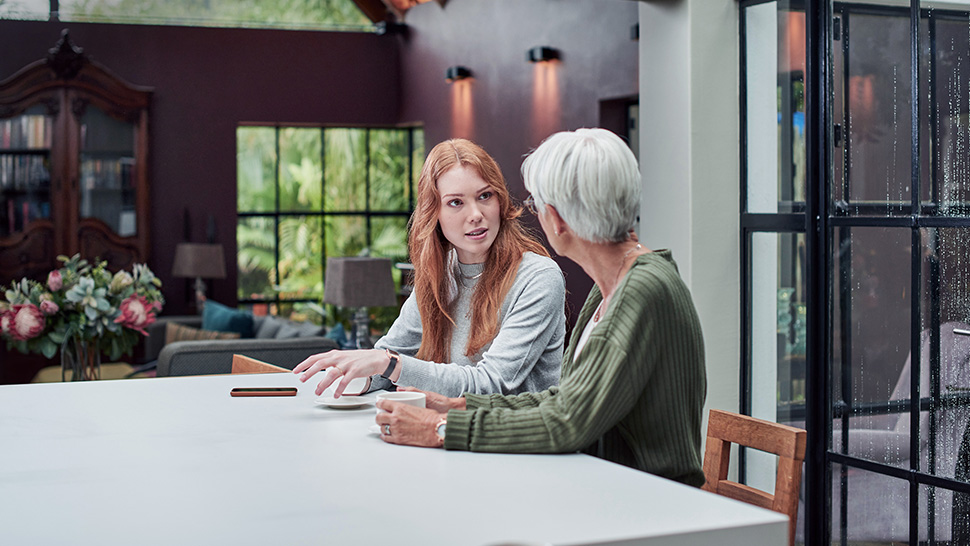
(73,165)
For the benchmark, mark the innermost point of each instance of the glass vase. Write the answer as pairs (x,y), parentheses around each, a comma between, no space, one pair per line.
(80,359)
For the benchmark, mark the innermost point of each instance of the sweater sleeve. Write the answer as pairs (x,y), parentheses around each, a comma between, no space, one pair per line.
(534,314)
(603,385)
(403,337)
(522,400)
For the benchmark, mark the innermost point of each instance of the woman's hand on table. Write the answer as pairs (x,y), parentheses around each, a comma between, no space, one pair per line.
(408,425)
(438,402)
(342,365)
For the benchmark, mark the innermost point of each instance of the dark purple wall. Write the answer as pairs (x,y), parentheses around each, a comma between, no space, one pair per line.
(599,62)
(207,81)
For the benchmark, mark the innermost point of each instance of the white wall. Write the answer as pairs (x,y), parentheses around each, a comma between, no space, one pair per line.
(689,150)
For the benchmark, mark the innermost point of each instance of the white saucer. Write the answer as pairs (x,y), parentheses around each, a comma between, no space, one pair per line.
(374,429)
(344,402)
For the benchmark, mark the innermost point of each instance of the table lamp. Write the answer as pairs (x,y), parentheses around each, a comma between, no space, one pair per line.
(199,261)
(359,282)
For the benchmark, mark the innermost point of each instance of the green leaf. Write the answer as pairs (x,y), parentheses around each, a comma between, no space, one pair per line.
(115,350)
(48,347)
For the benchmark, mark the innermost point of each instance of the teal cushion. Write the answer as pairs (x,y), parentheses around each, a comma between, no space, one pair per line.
(337,334)
(220,318)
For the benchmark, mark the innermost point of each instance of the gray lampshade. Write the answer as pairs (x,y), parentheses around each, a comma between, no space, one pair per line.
(359,282)
(198,260)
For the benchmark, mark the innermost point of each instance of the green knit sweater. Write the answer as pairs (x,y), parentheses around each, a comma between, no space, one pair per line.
(634,395)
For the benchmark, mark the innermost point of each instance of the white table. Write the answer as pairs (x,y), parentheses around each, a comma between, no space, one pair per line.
(178,461)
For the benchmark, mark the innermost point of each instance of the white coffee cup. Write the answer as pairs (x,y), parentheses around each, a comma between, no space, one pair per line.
(416,399)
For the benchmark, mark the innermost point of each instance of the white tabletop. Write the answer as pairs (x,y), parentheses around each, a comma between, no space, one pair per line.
(178,461)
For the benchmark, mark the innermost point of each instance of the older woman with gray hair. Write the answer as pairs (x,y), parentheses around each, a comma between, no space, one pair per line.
(633,377)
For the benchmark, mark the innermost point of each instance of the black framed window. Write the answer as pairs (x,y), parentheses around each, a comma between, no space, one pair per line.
(878,247)
(773,204)
(306,193)
(331,15)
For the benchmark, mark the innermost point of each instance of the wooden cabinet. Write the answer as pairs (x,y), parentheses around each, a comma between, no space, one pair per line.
(73,165)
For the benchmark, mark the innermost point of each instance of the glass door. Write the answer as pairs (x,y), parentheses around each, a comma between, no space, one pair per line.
(887,302)
(25,170)
(107,171)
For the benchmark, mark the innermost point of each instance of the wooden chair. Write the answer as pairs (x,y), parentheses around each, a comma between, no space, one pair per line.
(725,428)
(244,364)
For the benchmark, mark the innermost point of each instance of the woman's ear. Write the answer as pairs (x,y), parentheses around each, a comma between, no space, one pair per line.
(559,226)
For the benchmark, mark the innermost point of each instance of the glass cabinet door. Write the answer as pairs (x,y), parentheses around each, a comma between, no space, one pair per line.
(25,179)
(107,171)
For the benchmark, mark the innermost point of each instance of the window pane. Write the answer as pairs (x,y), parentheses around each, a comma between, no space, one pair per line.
(389,169)
(777,331)
(951,514)
(301,258)
(871,341)
(417,159)
(952,86)
(33,10)
(345,170)
(345,235)
(301,175)
(946,308)
(25,179)
(295,14)
(256,257)
(775,107)
(877,508)
(107,171)
(389,236)
(256,169)
(877,115)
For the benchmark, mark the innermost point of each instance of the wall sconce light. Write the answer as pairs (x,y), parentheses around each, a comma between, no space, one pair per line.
(540,54)
(455,73)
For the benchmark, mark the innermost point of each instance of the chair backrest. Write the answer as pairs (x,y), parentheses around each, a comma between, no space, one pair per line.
(244,364)
(725,428)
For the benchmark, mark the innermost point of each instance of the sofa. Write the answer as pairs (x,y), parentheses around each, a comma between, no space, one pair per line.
(270,339)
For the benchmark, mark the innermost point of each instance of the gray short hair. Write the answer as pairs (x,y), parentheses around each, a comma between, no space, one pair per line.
(591,177)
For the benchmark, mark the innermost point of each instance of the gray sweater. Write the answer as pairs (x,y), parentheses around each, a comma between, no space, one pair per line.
(525,356)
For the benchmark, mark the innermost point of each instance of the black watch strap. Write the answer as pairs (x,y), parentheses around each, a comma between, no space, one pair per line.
(394,357)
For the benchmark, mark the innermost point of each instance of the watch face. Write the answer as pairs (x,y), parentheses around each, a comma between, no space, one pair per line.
(441,430)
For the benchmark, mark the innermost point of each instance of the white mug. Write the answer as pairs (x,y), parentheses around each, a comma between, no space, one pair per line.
(416,399)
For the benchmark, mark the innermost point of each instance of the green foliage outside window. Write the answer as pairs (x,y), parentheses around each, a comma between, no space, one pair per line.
(308,193)
(293,14)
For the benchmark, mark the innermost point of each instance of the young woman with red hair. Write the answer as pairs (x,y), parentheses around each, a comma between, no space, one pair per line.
(487,314)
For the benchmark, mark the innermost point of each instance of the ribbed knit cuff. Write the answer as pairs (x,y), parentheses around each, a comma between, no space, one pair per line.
(475,401)
(458,433)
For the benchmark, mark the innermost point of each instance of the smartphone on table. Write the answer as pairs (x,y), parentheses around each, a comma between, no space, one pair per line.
(263,391)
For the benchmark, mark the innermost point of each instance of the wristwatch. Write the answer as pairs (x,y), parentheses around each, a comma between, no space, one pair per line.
(439,429)
(394,358)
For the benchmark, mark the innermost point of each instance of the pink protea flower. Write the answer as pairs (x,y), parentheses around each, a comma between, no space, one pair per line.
(136,313)
(54,280)
(48,307)
(6,323)
(28,322)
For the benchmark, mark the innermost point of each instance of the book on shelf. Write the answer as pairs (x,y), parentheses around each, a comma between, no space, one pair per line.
(31,131)
(24,172)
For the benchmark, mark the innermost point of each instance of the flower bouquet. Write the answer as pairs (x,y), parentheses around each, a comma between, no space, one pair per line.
(81,311)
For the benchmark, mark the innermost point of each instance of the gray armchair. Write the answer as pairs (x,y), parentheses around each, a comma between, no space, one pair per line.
(201,357)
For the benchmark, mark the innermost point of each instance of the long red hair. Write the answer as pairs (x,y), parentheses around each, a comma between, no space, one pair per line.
(429,253)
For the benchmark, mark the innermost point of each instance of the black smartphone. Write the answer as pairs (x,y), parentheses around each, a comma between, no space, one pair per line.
(263,391)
